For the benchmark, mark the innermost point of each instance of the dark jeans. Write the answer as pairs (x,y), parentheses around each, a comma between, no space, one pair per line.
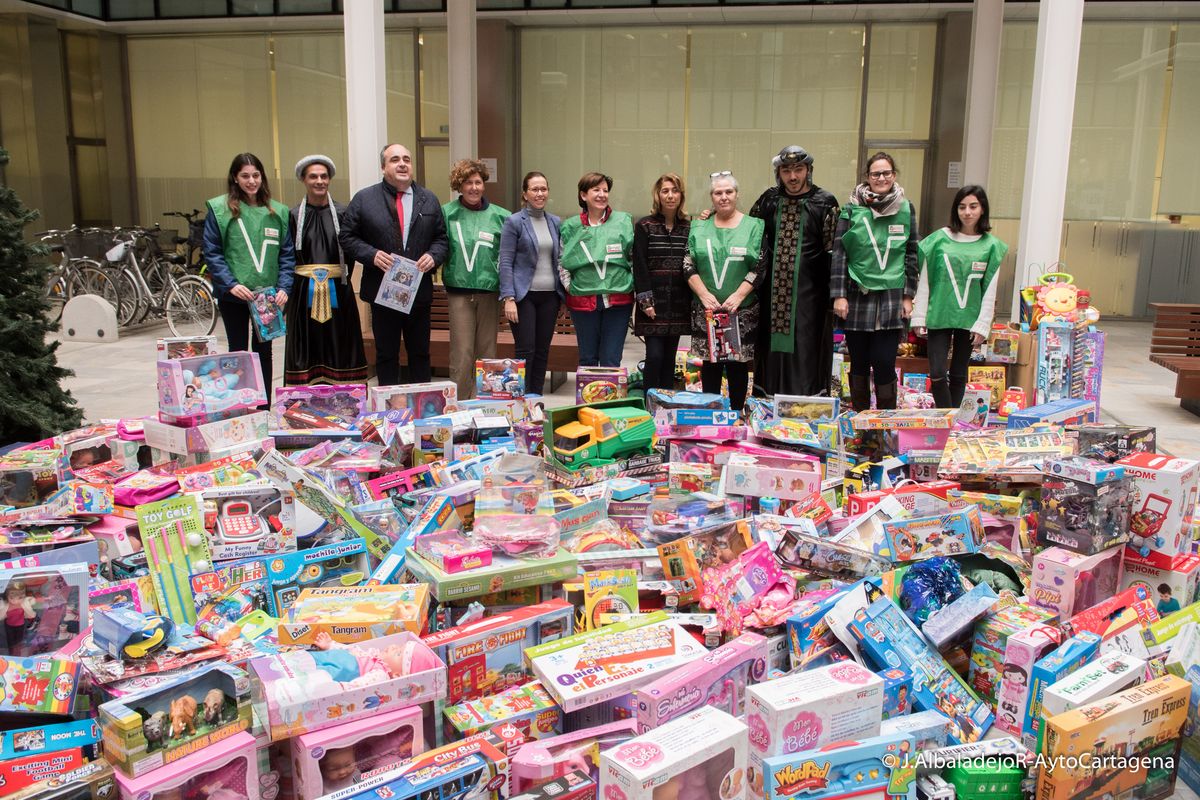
(388,325)
(235,314)
(938,350)
(738,373)
(532,333)
(874,350)
(660,362)
(601,335)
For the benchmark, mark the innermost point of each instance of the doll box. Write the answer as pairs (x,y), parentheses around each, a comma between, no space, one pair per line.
(1110,673)
(148,730)
(208,436)
(608,662)
(763,476)
(209,387)
(852,769)
(505,572)
(1023,650)
(318,409)
(424,399)
(1163,494)
(452,552)
(351,614)
(28,477)
(301,696)
(50,604)
(226,770)
(1143,721)
(719,679)
(805,710)
(991,642)
(248,520)
(1066,582)
(702,753)
(528,708)
(380,742)
(545,759)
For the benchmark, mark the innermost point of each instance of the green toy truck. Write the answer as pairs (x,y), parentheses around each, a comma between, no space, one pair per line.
(601,436)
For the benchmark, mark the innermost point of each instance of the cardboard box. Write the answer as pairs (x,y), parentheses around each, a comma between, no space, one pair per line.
(352,614)
(1163,494)
(1108,674)
(807,710)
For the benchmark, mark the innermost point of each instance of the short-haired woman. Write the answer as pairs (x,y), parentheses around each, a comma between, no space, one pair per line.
(662,315)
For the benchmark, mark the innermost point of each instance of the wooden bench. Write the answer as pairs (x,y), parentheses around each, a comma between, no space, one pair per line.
(564,349)
(1175,344)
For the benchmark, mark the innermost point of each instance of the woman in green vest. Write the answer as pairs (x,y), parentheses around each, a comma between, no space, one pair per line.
(470,275)
(874,279)
(247,249)
(596,268)
(724,266)
(956,295)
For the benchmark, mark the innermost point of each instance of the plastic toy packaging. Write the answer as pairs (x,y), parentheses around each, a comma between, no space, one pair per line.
(543,760)
(929,586)
(798,550)
(318,407)
(517,519)
(1085,505)
(669,518)
(267,315)
(500,377)
(750,591)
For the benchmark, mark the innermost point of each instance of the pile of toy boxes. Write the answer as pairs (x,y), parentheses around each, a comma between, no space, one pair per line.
(382,592)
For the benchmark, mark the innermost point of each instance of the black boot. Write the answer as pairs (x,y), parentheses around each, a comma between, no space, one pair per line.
(860,392)
(885,395)
(958,388)
(941,393)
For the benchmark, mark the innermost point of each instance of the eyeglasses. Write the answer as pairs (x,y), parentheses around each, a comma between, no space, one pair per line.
(722,174)
(886,173)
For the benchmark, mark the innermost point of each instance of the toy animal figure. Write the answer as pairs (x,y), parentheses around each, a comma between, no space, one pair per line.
(183,716)
(214,705)
(152,728)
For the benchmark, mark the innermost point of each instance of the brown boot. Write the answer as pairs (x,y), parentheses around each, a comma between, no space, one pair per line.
(885,395)
(860,392)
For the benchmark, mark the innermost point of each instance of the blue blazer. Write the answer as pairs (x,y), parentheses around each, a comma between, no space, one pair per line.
(519,253)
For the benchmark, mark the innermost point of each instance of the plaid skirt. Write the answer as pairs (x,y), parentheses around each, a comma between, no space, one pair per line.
(879,310)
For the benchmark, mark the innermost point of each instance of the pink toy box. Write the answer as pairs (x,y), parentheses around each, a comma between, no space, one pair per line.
(546,759)
(336,758)
(763,476)
(207,388)
(206,437)
(1163,494)
(424,399)
(528,708)
(699,756)
(452,552)
(612,661)
(308,691)
(718,679)
(225,771)
(318,410)
(1066,582)
(1024,650)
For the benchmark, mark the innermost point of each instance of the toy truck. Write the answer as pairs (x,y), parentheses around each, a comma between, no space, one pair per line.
(602,436)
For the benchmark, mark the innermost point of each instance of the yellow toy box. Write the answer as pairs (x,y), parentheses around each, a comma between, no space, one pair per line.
(351,614)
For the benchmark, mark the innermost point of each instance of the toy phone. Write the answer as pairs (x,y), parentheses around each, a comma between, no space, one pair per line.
(238,522)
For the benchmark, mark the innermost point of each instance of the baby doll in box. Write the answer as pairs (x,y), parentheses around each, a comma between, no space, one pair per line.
(359,665)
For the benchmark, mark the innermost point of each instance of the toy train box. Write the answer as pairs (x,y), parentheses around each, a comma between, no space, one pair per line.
(881,764)
(150,729)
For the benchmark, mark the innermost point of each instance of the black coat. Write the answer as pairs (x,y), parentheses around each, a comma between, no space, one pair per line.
(371,225)
(658,277)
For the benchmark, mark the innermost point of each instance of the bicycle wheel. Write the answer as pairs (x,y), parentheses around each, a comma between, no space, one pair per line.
(56,297)
(191,307)
(134,303)
(91,279)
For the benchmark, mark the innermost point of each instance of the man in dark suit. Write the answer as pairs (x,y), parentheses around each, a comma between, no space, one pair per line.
(396,217)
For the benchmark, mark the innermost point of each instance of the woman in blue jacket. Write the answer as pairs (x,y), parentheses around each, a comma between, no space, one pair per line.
(530,288)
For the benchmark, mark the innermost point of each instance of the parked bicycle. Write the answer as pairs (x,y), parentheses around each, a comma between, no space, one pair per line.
(151,282)
(76,272)
(194,241)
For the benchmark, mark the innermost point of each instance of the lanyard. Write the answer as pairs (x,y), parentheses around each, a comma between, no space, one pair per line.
(260,260)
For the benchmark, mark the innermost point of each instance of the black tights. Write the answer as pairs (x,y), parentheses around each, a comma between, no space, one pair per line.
(949,394)
(738,373)
(660,362)
(874,350)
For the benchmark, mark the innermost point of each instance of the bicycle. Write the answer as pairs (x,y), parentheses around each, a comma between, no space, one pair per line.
(76,273)
(193,255)
(159,284)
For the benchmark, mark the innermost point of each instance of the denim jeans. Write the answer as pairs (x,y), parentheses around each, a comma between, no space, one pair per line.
(601,335)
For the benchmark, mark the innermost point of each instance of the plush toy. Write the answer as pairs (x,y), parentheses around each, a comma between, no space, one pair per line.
(1057,300)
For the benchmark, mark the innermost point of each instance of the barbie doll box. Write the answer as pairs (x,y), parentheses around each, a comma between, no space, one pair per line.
(701,754)
(349,614)
(335,758)
(207,388)
(206,437)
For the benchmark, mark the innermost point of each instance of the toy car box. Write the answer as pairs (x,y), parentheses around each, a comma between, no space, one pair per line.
(1085,505)
(586,444)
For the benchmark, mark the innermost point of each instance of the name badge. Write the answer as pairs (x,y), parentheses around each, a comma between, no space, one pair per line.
(737,251)
(271,233)
(484,236)
(895,229)
(978,266)
(613,248)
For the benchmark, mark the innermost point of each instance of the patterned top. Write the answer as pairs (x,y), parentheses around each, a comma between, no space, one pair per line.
(878,310)
(658,277)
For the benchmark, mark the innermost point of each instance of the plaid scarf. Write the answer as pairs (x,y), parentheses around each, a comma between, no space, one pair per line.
(881,205)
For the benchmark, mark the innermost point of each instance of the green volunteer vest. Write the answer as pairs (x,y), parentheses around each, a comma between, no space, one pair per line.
(474,246)
(875,246)
(959,274)
(597,256)
(255,266)
(723,257)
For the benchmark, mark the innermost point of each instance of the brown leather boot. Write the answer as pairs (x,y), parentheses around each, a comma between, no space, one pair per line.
(860,392)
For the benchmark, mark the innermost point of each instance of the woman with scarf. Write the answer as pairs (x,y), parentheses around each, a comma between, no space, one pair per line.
(471,275)
(595,267)
(324,337)
(247,247)
(663,315)
(874,279)
(724,264)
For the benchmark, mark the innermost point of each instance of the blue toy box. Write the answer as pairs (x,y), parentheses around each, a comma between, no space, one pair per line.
(1069,656)
(1067,411)
(880,764)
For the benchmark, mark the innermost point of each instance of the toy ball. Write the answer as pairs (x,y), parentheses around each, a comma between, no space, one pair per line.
(194,539)
(201,566)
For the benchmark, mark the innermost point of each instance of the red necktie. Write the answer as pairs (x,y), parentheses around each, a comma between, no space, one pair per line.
(400,216)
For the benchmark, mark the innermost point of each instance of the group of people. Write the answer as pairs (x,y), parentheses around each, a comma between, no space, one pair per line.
(778,276)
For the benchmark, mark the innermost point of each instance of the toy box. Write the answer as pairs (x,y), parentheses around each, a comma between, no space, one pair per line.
(248,520)
(288,574)
(1163,494)
(701,754)
(1110,673)
(919,500)
(872,767)
(307,691)
(1085,505)
(1002,345)
(1065,659)
(210,387)
(543,760)
(1008,520)
(993,377)
(897,692)
(451,551)
(806,710)
(424,399)
(150,729)
(1104,442)
(93,781)
(585,438)
(811,642)
(991,642)
(952,533)
(598,384)
(528,708)
(349,614)
(887,638)
(171,347)
(898,418)
(505,572)
(38,685)
(43,607)
(762,476)
(602,664)
(173,533)
(22,770)
(28,477)
(953,622)
(1141,722)
(1173,588)
(206,437)
(336,758)
(719,679)
(226,770)
(1023,650)
(1060,412)
(318,409)
(502,378)
(929,729)
(1128,610)
(1066,582)
(684,560)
